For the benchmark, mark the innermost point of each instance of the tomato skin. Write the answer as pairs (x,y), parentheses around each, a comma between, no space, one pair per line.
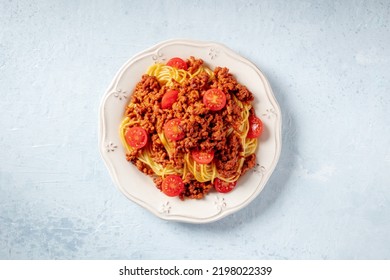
(256,127)
(224,187)
(136,137)
(178,63)
(172,185)
(169,98)
(214,99)
(202,157)
(173,131)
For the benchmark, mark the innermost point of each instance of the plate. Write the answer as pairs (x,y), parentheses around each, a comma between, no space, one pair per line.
(139,187)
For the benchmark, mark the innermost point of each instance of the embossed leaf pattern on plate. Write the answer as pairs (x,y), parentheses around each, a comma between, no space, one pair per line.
(110,147)
(120,94)
(158,57)
(213,52)
(269,113)
(220,203)
(165,208)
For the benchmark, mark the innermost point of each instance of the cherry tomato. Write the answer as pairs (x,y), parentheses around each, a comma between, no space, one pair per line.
(214,99)
(202,157)
(222,186)
(177,63)
(172,185)
(136,137)
(169,98)
(173,131)
(256,127)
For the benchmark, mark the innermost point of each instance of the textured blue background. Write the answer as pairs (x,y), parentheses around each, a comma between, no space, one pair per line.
(328,64)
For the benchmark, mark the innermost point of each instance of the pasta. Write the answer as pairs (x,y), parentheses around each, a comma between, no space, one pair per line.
(189,126)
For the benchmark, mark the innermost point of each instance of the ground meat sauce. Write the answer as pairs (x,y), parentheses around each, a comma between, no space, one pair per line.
(204,129)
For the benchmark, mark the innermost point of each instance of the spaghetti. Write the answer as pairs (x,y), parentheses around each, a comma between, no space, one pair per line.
(202,137)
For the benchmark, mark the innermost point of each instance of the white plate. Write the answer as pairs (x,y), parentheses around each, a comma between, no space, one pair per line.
(140,188)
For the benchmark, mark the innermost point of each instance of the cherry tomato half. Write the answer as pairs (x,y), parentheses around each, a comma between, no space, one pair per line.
(173,131)
(136,137)
(214,99)
(172,185)
(256,127)
(177,63)
(202,157)
(222,186)
(169,98)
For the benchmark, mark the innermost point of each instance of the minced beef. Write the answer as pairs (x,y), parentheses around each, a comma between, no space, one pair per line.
(204,129)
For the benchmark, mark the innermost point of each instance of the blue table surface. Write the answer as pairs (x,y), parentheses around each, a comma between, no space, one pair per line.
(328,63)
